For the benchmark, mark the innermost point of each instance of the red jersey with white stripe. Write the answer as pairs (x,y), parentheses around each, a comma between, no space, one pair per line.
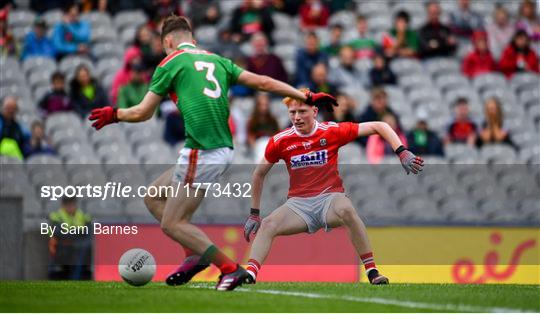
(311,159)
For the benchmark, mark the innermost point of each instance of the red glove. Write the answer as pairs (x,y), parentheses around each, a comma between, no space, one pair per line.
(409,161)
(103,116)
(321,100)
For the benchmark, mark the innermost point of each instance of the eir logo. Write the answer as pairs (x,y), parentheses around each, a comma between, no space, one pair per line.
(316,158)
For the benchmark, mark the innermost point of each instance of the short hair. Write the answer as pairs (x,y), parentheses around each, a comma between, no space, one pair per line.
(378,91)
(337,25)
(175,23)
(461,101)
(69,200)
(68,6)
(57,76)
(403,15)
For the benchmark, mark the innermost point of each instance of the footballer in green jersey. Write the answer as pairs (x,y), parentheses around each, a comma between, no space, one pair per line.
(198,81)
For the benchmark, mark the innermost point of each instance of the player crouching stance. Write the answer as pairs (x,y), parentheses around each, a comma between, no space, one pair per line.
(316,196)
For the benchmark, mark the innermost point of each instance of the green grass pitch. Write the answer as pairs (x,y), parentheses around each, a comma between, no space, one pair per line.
(46,296)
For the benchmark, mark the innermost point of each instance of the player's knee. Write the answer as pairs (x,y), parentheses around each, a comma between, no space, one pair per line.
(269,226)
(347,213)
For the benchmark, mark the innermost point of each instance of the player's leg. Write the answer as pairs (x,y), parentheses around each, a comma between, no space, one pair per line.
(156,205)
(342,213)
(283,221)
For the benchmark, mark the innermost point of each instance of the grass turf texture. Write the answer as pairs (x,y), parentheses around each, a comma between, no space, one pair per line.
(46,296)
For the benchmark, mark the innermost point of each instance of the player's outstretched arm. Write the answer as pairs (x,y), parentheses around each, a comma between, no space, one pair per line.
(268,84)
(409,161)
(254,220)
(141,112)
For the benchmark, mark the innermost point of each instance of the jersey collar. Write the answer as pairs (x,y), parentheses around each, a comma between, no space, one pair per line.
(185,44)
(315,127)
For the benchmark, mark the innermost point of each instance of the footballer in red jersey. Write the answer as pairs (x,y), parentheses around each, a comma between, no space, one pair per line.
(316,196)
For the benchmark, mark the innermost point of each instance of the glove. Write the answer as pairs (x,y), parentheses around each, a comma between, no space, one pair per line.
(409,161)
(252,224)
(103,116)
(321,100)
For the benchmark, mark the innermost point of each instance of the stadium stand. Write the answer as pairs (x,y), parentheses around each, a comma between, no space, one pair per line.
(494,184)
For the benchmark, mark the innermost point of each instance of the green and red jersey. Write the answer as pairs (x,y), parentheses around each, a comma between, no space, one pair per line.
(198,82)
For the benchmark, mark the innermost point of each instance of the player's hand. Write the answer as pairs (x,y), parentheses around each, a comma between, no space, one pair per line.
(409,161)
(321,100)
(252,224)
(103,116)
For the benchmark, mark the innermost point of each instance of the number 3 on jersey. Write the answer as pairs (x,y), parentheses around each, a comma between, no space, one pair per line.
(201,66)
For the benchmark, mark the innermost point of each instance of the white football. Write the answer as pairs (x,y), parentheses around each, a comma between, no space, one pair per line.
(137,267)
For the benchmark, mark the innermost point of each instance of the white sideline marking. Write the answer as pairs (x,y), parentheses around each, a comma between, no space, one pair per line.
(407,304)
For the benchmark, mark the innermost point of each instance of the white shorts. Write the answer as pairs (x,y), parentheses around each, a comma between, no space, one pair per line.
(313,209)
(202,166)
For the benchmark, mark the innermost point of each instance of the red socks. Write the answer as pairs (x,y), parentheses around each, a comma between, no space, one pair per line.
(368,261)
(253,268)
(215,256)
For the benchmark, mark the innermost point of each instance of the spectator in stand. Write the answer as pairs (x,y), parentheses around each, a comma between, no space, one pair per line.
(13,135)
(345,74)
(342,113)
(85,92)
(57,100)
(364,45)
(335,44)
(153,57)
(478,61)
(500,31)
(8,42)
(94,5)
(41,6)
(133,92)
(436,39)
(528,20)
(251,18)
(158,10)
(377,148)
(519,56)
(462,129)
(402,41)
(313,14)
(144,38)
(378,106)
(307,57)
(492,131)
(70,255)
(263,62)
(262,122)
(72,35)
(174,128)
(319,80)
(381,74)
(423,141)
(289,7)
(36,42)
(132,56)
(39,143)
(204,12)
(464,21)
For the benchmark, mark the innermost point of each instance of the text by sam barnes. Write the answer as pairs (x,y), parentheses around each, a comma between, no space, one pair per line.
(94,228)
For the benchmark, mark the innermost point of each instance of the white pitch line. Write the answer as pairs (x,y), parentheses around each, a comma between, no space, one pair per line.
(407,304)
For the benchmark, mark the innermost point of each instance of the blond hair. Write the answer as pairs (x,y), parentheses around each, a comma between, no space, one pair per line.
(289,100)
